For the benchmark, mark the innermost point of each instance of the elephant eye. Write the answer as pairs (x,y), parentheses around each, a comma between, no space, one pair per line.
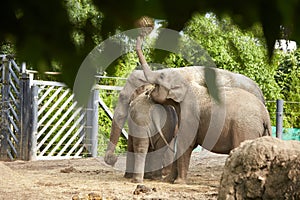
(162,75)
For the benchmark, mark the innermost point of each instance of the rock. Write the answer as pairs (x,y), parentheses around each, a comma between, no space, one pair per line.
(264,168)
(90,196)
(76,197)
(94,196)
(143,189)
(68,170)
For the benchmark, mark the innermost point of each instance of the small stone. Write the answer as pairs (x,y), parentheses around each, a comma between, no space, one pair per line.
(75,197)
(94,196)
(141,189)
(68,170)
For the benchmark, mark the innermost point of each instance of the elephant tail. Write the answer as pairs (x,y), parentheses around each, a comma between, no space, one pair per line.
(267,129)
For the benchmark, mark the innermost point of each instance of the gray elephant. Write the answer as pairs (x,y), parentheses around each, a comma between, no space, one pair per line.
(151,127)
(218,126)
(194,74)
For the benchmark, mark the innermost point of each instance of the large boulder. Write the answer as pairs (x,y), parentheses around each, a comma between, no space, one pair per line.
(264,168)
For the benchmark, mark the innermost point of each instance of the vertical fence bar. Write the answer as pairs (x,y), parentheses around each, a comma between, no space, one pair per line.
(4,107)
(92,123)
(25,96)
(34,113)
(279,118)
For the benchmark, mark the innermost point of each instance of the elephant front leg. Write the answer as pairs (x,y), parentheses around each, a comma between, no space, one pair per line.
(139,166)
(140,147)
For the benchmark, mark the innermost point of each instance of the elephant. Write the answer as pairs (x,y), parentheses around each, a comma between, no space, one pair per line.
(151,127)
(218,126)
(193,73)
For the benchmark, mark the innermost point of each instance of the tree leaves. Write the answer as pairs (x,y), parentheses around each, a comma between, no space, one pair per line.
(42,31)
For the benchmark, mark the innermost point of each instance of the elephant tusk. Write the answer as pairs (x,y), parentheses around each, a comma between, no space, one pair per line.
(166,142)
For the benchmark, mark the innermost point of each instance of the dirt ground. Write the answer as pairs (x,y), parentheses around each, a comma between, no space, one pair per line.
(91,178)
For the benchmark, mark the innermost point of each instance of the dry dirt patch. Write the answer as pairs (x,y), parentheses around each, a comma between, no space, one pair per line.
(91,178)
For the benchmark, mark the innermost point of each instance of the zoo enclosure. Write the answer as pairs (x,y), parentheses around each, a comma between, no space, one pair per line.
(41,120)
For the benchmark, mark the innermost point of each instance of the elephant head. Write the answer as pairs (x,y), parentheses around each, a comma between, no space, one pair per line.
(168,87)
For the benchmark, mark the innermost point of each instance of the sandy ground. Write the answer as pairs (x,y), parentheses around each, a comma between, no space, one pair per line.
(91,178)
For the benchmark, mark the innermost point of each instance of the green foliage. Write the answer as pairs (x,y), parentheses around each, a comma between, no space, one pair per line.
(110,98)
(288,78)
(86,22)
(270,14)
(104,130)
(7,48)
(40,36)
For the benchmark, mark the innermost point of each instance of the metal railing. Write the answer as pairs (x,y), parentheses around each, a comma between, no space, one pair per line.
(41,119)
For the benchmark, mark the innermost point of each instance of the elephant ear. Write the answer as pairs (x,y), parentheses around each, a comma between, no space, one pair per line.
(177,93)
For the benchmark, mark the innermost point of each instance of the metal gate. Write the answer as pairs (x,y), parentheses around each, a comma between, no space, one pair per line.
(41,120)
(10,110)
(61,129)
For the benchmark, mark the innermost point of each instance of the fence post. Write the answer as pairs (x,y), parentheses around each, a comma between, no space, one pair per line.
(4,107)
(34,113)
(25,97)
(279,118)
(92,123)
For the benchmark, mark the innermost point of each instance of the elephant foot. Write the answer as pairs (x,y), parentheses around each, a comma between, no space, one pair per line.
(153,175)
(156,178)
(128,175)
(148,175)
(169,179)
(180,181)
(110,158)
(166,170)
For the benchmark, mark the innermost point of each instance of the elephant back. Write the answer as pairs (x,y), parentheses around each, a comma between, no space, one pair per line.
(224,78)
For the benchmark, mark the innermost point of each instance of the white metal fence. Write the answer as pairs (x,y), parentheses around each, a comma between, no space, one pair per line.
(41,120)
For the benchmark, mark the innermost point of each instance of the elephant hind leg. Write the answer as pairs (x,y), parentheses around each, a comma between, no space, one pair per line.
(129,159)
(183,163)
(129,165)
(153,167)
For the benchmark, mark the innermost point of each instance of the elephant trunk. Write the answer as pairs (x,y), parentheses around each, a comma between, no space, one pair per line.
(109,157)
(114,136)
(148,73)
